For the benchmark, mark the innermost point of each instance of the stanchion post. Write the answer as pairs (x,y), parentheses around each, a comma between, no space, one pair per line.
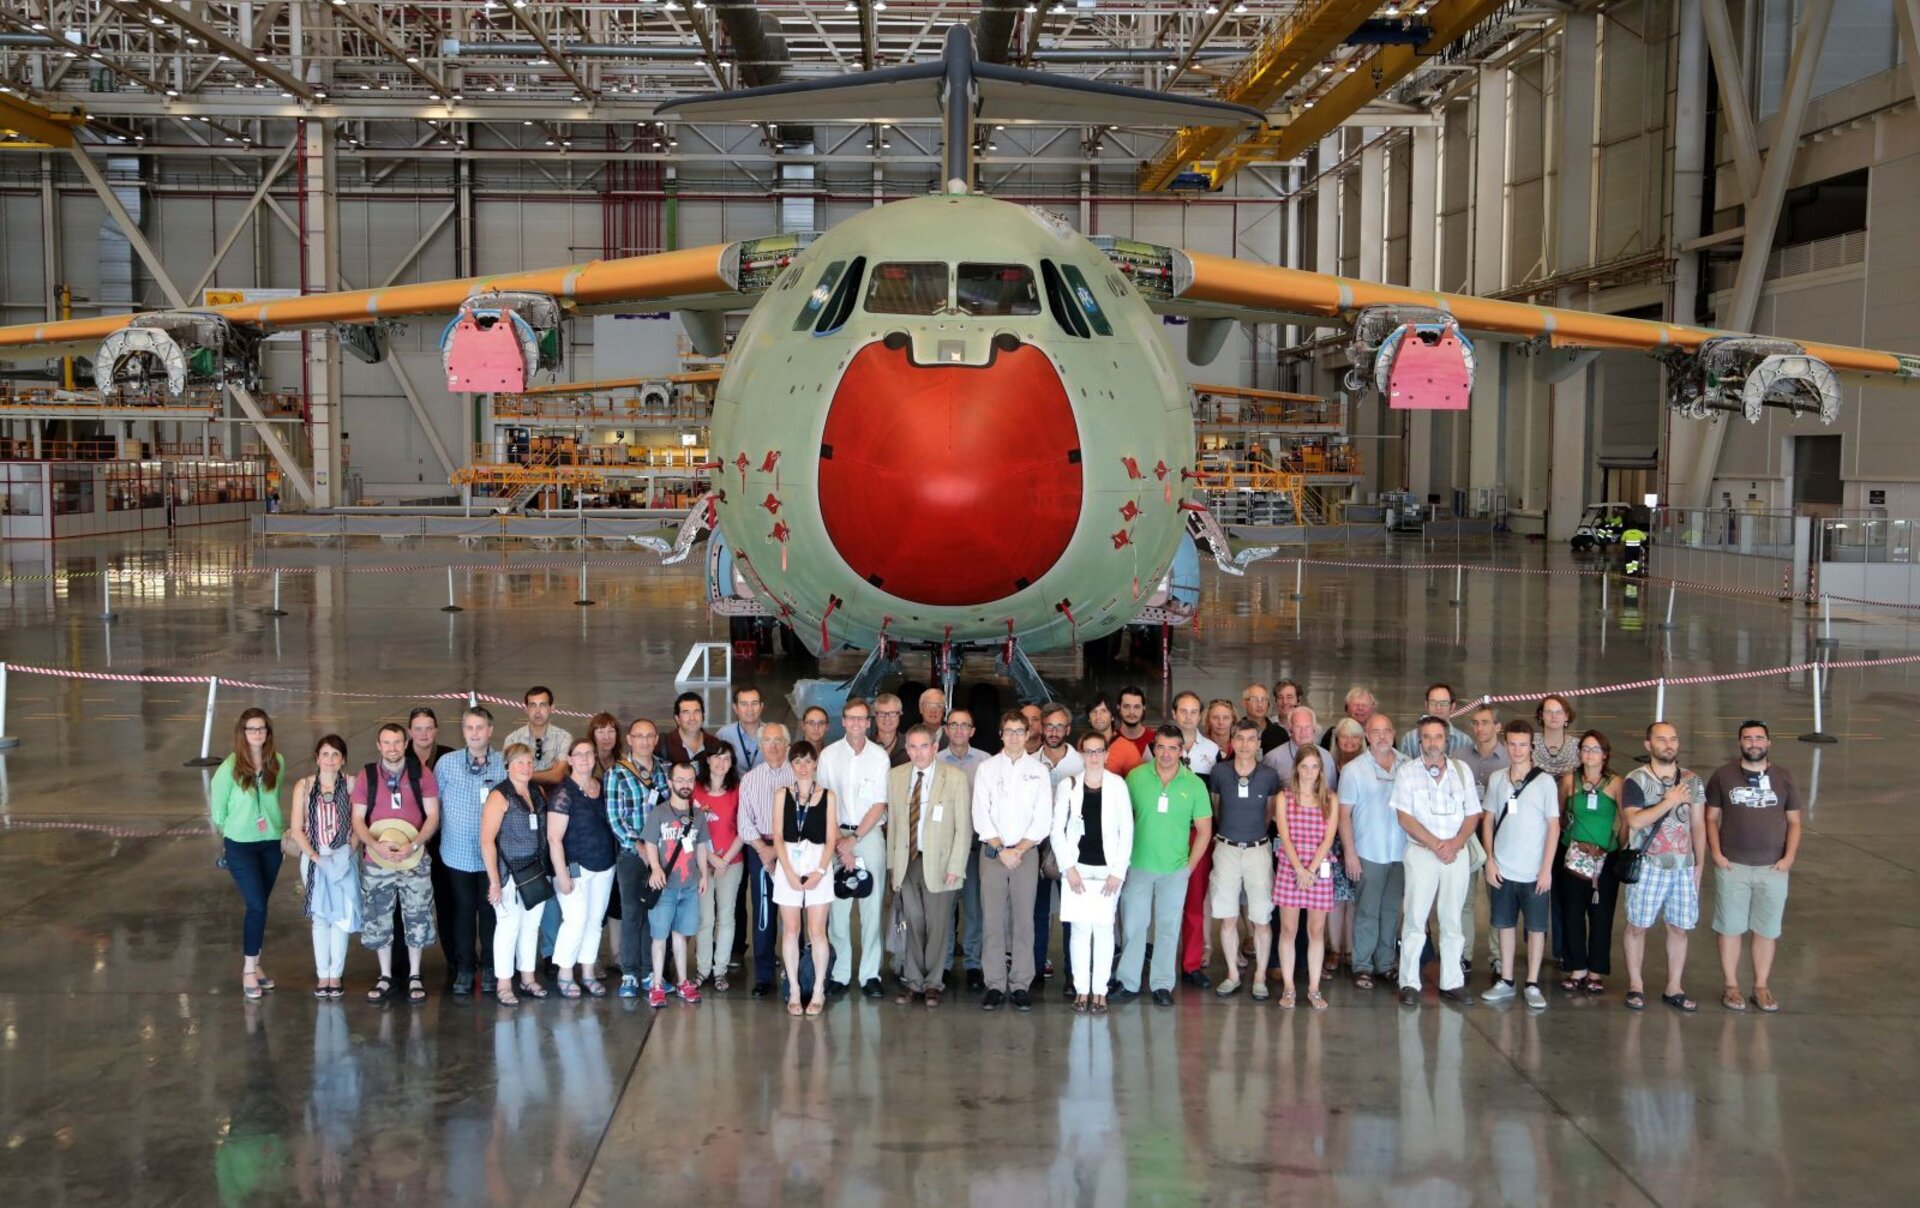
(1825,640)
(1673,589)
(451,606)
(276,610)
(107,613)
(1605,583)
(1819,734)
(6,741)
(1660,700)
(1299,578)
(583,601)
(1459,587)
(473,698)
(206,759)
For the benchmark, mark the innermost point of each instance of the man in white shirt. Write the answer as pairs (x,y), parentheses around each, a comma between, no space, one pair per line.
(1520,828)
(1057,753)
(1373,843)
(1436,805)
(1012,813)
(855,770)
(961,753)
(1197,751)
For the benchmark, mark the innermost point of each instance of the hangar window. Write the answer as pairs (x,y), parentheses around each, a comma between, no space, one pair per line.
(996,290)
(841,305)
(908,287)
(817,300)
(1077,285)
(1066,311)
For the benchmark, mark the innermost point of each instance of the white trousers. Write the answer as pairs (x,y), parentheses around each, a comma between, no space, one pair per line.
(1090,948)
(583,914)
(516,933)
(1431,884)
(713,944)
(873,851)
(329,949)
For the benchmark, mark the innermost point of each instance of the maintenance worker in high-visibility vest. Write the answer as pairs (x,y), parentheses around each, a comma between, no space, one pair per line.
(1633,546)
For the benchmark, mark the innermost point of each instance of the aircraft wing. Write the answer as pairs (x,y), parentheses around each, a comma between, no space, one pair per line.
(1204,286)
(717,277)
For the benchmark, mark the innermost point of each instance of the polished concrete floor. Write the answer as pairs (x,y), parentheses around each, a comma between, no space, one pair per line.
(132,1071)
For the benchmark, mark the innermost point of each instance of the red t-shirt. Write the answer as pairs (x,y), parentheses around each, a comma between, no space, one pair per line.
(1125,754)
(392,796)
(723,818)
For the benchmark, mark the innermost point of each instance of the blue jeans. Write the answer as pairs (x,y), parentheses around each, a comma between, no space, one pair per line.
(254,868)
(1150,909)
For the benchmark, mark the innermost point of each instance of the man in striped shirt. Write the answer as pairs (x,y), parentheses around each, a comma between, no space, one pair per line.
(757,791)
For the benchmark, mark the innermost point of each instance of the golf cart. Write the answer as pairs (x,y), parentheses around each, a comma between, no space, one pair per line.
(1602,523)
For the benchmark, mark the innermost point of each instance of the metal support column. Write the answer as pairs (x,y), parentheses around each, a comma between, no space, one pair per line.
(322,250)
(1569,461)
(1424,477)
(1488,219)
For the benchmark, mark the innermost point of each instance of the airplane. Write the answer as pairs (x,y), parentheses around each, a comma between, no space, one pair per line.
(952,423)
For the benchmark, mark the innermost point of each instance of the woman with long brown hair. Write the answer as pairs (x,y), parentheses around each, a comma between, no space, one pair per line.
(1304,880)
(1592,827)
(322,828)
(604,730)
(245,807)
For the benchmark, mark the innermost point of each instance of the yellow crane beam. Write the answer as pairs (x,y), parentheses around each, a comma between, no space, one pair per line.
(49,128)
(1282,59)
(1450,21)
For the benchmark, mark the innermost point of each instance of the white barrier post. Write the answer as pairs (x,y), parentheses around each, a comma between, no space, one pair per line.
(206,759)
(1605,582)
(1299,575)
(1660,700)
(1825,640)
(583,601)
(276,610)
(451,606)
(6,742)
(1819,734)
(473,698)
(1673,589)
(107,613)
(1459,584)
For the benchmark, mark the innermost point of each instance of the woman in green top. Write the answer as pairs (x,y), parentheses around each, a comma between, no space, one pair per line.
(1582,908)
(246,811)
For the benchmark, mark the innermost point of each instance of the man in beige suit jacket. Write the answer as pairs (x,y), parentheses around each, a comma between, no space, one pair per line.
(929,833)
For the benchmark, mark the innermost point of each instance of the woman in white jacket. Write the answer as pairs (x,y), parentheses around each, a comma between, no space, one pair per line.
(1092,842)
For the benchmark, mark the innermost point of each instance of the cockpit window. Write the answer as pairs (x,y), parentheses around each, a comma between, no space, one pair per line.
(1066,311)
(834,317)
(908,288)
(821,293)
(1077,284)
(995,290)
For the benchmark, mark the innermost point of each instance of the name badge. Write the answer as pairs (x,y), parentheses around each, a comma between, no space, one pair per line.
(261,824)
(1243,790)
(1593,801)
(533,822)
(1766,783)
(394,800)
(938,810)
(1163,803)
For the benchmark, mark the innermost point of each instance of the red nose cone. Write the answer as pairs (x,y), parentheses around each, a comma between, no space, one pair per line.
(945,484)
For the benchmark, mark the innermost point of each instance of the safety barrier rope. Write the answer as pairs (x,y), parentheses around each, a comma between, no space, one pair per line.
(1683,681)
(532,562)
(116,832)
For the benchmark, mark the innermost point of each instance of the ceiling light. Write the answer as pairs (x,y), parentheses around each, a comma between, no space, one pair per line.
(456,98)
(993,146)
(850,7)
(490,88)
(699,5)
(549,142)
(509,87)
(285,95)
(1031,8)
(366,87)
(1352,66)
(1239,8)
(157,19)
(1308,105)
(173,92)
(193,41)
(566,142)
(40,27)
(69,54)
(413,59)
(385,87)
(879,6)
(1212,9)
(577,98)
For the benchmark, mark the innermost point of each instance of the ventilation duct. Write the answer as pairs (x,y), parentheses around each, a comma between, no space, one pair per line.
(115,291)
(993,29)
(760,54)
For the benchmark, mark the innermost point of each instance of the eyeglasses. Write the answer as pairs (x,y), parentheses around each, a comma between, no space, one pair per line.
(888,713)
(259,729)
(959,725)
(1590,749)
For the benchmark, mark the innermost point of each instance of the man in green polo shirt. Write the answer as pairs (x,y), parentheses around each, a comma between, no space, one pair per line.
(1172,826)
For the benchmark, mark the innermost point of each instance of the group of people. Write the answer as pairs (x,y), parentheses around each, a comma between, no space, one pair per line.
(1147,843)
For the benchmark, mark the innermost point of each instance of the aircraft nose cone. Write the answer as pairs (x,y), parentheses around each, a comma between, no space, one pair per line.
(950,484)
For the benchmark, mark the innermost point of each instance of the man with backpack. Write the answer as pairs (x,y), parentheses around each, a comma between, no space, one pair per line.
(1520,826)
(396,810)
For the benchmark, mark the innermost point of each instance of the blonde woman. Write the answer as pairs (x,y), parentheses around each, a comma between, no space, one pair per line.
(1304,880)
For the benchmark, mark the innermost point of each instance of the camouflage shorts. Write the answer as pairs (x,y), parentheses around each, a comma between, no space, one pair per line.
(413,889)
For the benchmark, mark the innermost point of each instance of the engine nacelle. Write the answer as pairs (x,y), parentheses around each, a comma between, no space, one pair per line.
(1742,375)
(499,341)
(1415,356)
(159,356)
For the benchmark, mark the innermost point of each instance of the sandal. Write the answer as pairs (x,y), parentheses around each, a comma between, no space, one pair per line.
(416,990)
(569,989)
(381,989)
(1764,999)
(1733,1000)
(1286,1000)
(1572,984)
(721,984)
(532,989)
(1315,1001)
(260,977)
(793,1007)
(1331,965)
(1080,1005)
(593,987)
(816,1006)
(1595,985)
(1099,1006)
(1363,981)
(323,993)
(505,996)
(1680,1002)
(336,991)
(1636,1000)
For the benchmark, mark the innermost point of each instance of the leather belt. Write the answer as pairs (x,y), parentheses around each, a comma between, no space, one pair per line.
(1233,843)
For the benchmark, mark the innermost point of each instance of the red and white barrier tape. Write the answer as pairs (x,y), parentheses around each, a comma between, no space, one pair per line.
(535,562)
(257,686)
(117,832)
(1683,681)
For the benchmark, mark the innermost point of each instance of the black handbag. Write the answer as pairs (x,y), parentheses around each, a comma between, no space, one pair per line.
(650,895)
(532,883)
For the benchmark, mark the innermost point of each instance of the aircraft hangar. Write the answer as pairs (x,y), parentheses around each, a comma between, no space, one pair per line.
(626,370)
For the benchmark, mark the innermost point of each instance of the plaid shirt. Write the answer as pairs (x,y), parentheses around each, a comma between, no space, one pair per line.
(463,793)
(631,796)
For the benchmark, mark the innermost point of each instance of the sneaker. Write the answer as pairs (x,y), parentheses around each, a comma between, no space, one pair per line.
(1120,994)
(1459,996)
(976,981)
(1501,991)
(656,996)
(872,988)
(1535,1000)
(992,1001)
(1498,972)
(1046,970)
(1022,1001)
(629,986)
(1409,997)
(835,989)
(1198,979)
(689,992)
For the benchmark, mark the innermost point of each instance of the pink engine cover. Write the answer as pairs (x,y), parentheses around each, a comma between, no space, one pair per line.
(483,360)
(1428,376)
